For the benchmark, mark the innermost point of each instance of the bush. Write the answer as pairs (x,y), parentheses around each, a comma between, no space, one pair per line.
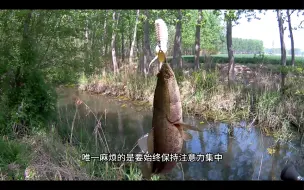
(14,158)
(29,105)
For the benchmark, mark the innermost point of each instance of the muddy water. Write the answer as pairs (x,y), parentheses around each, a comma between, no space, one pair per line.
(244,151)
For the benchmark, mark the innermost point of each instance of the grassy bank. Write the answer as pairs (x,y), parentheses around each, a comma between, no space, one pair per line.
(205,93)
(245,59)
(56,152)
(45,156)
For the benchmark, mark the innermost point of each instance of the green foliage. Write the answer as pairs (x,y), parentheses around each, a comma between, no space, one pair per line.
(39,91)
(268,100)
(42,47)
(211,28)
(83,79)
(235,15)
(31,105)
(13,153)
(211,31)
(4,118)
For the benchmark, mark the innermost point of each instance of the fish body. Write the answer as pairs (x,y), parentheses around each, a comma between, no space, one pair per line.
(167,134)
(167,110)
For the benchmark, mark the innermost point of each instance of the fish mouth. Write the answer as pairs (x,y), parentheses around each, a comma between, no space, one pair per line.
(166,72)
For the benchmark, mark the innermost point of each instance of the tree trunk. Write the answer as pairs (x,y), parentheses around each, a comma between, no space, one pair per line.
(134,38)
(141,56)
(26,51)
(86,53)
(146,44)
(130,39)
(106,49)
(147,36)
(198,40)
(92,47)
(106,42)
(291,40)
(122,46)
(177,53)
(103,50)
(26,26)
(117,45)
(86,33)
(283,48)
(230,52)
(115,19)
(137,46)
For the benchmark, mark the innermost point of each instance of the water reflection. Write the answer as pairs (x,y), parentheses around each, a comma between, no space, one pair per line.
(244,151)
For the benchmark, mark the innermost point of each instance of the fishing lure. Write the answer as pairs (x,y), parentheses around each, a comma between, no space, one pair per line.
(161,48)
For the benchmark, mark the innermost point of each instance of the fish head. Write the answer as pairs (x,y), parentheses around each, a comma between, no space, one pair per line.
(166,73)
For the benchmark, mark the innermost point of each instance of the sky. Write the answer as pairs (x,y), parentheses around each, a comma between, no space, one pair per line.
(267,30)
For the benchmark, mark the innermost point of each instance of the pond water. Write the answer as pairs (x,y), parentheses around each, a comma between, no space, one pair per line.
(244,150)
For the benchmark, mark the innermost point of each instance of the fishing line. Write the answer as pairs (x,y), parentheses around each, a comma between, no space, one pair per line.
(136,144)
(262,156)
(182,169)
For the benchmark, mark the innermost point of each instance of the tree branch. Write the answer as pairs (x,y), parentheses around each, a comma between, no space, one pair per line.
(300,24)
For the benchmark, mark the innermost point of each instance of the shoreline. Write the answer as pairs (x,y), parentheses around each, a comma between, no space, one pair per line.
(206,95)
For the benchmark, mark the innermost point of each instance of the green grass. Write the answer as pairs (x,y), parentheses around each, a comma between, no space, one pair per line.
(245,59)
(46,156)
(14,158)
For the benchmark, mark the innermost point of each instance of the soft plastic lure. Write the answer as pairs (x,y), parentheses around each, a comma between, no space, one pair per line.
(161,30)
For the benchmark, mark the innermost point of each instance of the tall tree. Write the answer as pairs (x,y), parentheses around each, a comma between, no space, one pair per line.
(26,49)
(198,39)
(291,38)
(230,17)
(177,51)
(283,48)
(146,45)
(104,33)
(122,42)
(134,38)
(301,12)
(230,51)
(114,60)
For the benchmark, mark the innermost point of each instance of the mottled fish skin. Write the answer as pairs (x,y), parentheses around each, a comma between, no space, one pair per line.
(167,110)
